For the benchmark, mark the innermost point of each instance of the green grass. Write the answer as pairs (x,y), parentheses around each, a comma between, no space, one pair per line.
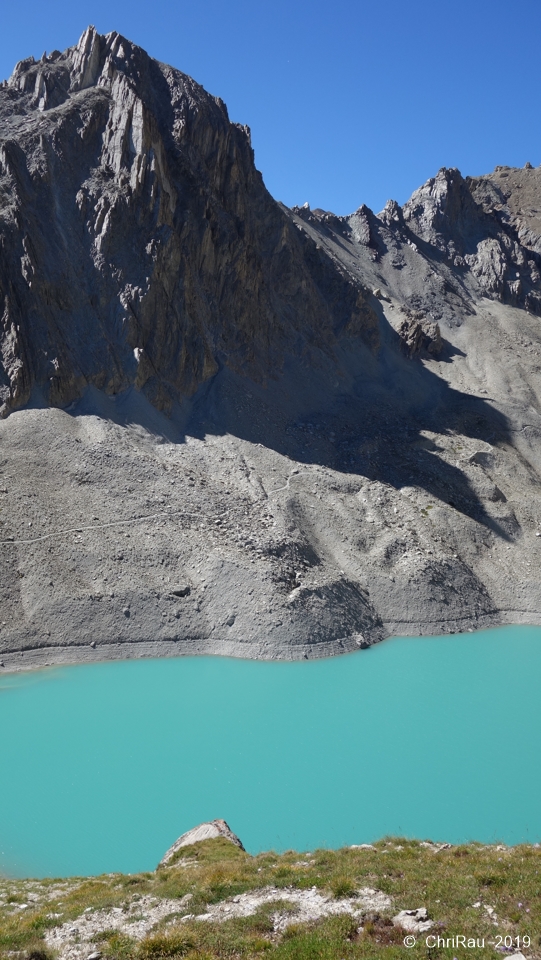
(447,883)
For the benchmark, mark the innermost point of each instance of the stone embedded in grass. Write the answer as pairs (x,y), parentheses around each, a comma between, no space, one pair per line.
(297,906)
(413,921)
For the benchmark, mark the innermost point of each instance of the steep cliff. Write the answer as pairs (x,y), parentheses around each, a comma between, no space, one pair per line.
(139,245)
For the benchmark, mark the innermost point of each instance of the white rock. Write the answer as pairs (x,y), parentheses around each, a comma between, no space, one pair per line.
(309,905)
(72,940)
(413,921)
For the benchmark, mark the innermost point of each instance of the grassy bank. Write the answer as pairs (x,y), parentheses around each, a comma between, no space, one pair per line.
(486,893)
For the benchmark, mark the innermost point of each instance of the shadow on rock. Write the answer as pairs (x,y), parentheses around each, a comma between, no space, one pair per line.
(356,412)
(364,414)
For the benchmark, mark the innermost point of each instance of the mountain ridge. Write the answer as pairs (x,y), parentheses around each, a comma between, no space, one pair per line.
(233,427)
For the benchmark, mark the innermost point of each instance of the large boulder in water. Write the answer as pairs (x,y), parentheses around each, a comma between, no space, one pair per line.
(205,831)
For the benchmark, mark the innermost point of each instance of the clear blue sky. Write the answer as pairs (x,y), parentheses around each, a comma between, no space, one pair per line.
(349,101)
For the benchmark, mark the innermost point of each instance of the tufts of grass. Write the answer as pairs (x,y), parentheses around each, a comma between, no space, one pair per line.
(116,945)
(161,947)
(242,937)
(218,850)
(343,887)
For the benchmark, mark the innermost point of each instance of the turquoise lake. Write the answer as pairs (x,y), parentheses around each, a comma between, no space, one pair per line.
(103,766)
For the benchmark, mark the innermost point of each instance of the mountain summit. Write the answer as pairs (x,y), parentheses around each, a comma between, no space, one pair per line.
(233,427)
(139,244)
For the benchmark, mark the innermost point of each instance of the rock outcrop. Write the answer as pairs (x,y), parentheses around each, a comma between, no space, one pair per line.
(470,223)
(419,334)
(205,831)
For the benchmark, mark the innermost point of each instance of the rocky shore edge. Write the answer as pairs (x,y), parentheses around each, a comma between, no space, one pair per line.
(95,651)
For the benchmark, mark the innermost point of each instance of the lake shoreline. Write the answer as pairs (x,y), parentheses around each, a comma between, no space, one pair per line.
(37,658)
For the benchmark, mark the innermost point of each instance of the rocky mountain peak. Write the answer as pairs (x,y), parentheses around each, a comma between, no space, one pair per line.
(94,61)
(480,230)
(443,211)
(139,244)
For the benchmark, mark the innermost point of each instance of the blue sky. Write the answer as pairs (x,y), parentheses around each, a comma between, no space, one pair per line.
(349,102)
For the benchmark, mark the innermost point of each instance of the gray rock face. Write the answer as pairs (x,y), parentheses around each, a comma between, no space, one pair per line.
(230,427)
(481,236)
(469,222)
(139,244)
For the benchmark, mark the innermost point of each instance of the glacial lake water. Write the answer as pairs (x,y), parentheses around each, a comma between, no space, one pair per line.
(103,766)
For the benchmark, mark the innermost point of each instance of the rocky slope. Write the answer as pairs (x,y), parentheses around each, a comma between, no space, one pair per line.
(233,427)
